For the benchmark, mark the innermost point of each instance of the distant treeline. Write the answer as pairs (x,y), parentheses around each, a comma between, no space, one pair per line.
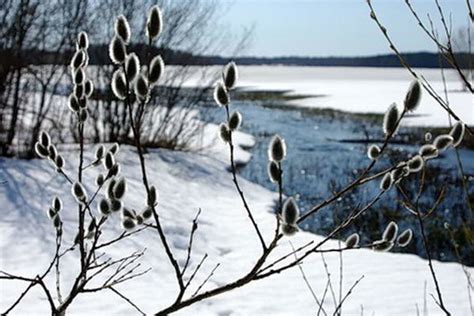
(99,56)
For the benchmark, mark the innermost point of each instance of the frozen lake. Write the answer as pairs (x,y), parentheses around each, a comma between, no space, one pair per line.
(358,89)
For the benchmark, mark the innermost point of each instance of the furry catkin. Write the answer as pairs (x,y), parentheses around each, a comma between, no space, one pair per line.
(457,133)
(386,182)
(82,40)
(230,75)
(122,28)
(442,142)
(224,133)
(404,238)
(373,152)
(290,212)
(277,149)
(235,120)
(273,172)
(141,87)
(415,164)
(413,96)
(390,120)
(390,232)
(220,95)
(428,151)
(119,84)
(352,241)
(132,66)
(157,67)
(117,50)
(154,23)
(120,188)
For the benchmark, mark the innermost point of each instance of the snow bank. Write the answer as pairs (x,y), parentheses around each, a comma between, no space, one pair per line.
(393,283)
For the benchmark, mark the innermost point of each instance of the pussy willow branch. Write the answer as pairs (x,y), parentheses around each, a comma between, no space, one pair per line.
(190,243)
(237,186)
(426,85)
(136,135)
(339,307)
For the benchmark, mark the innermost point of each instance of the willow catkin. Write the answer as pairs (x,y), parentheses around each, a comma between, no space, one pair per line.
(442,142)
(117,50)
(235,120)
(128,223)
(274,172)
(457,133)
(57,221)
(230,75)
(277,149)
(390,232)
(78,59)
(73,103)
(404,238)
(386,182)
(99,153)
(79,192)
(141,87)
(119,84)
(115,170)
(224,133)
(57,204)
(59,162)
(413,96)
(221,96)
(290,212)
(122,28)
(415,164)
(99,180)
(390,120)
(147,213)
(428,151)
(83,115)
(382,245)
(132,67)
(115,205)
(82,40)
(52,152)
(109,161)
(44,138)
(428,137)
(352,241)
(120,188)
(157,67)
(88,88)
(114,148)
(41,151)
(79,76)
(79,91)
(154,23)
(373,152)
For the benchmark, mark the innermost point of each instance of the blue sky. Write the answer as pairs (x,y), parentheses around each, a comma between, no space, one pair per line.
(334,27)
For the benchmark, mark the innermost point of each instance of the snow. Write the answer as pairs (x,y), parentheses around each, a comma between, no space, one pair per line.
(359,89)
(393,284)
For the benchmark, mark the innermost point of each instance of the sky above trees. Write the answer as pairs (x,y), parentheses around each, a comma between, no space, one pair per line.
(334,27)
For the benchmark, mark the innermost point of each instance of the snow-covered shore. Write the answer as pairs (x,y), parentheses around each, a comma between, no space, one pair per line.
(393,284)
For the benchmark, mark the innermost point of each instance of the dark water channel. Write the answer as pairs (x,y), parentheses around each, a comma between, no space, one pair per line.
(325,154)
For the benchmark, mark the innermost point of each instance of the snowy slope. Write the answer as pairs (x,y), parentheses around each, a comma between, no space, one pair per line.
(393,284)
